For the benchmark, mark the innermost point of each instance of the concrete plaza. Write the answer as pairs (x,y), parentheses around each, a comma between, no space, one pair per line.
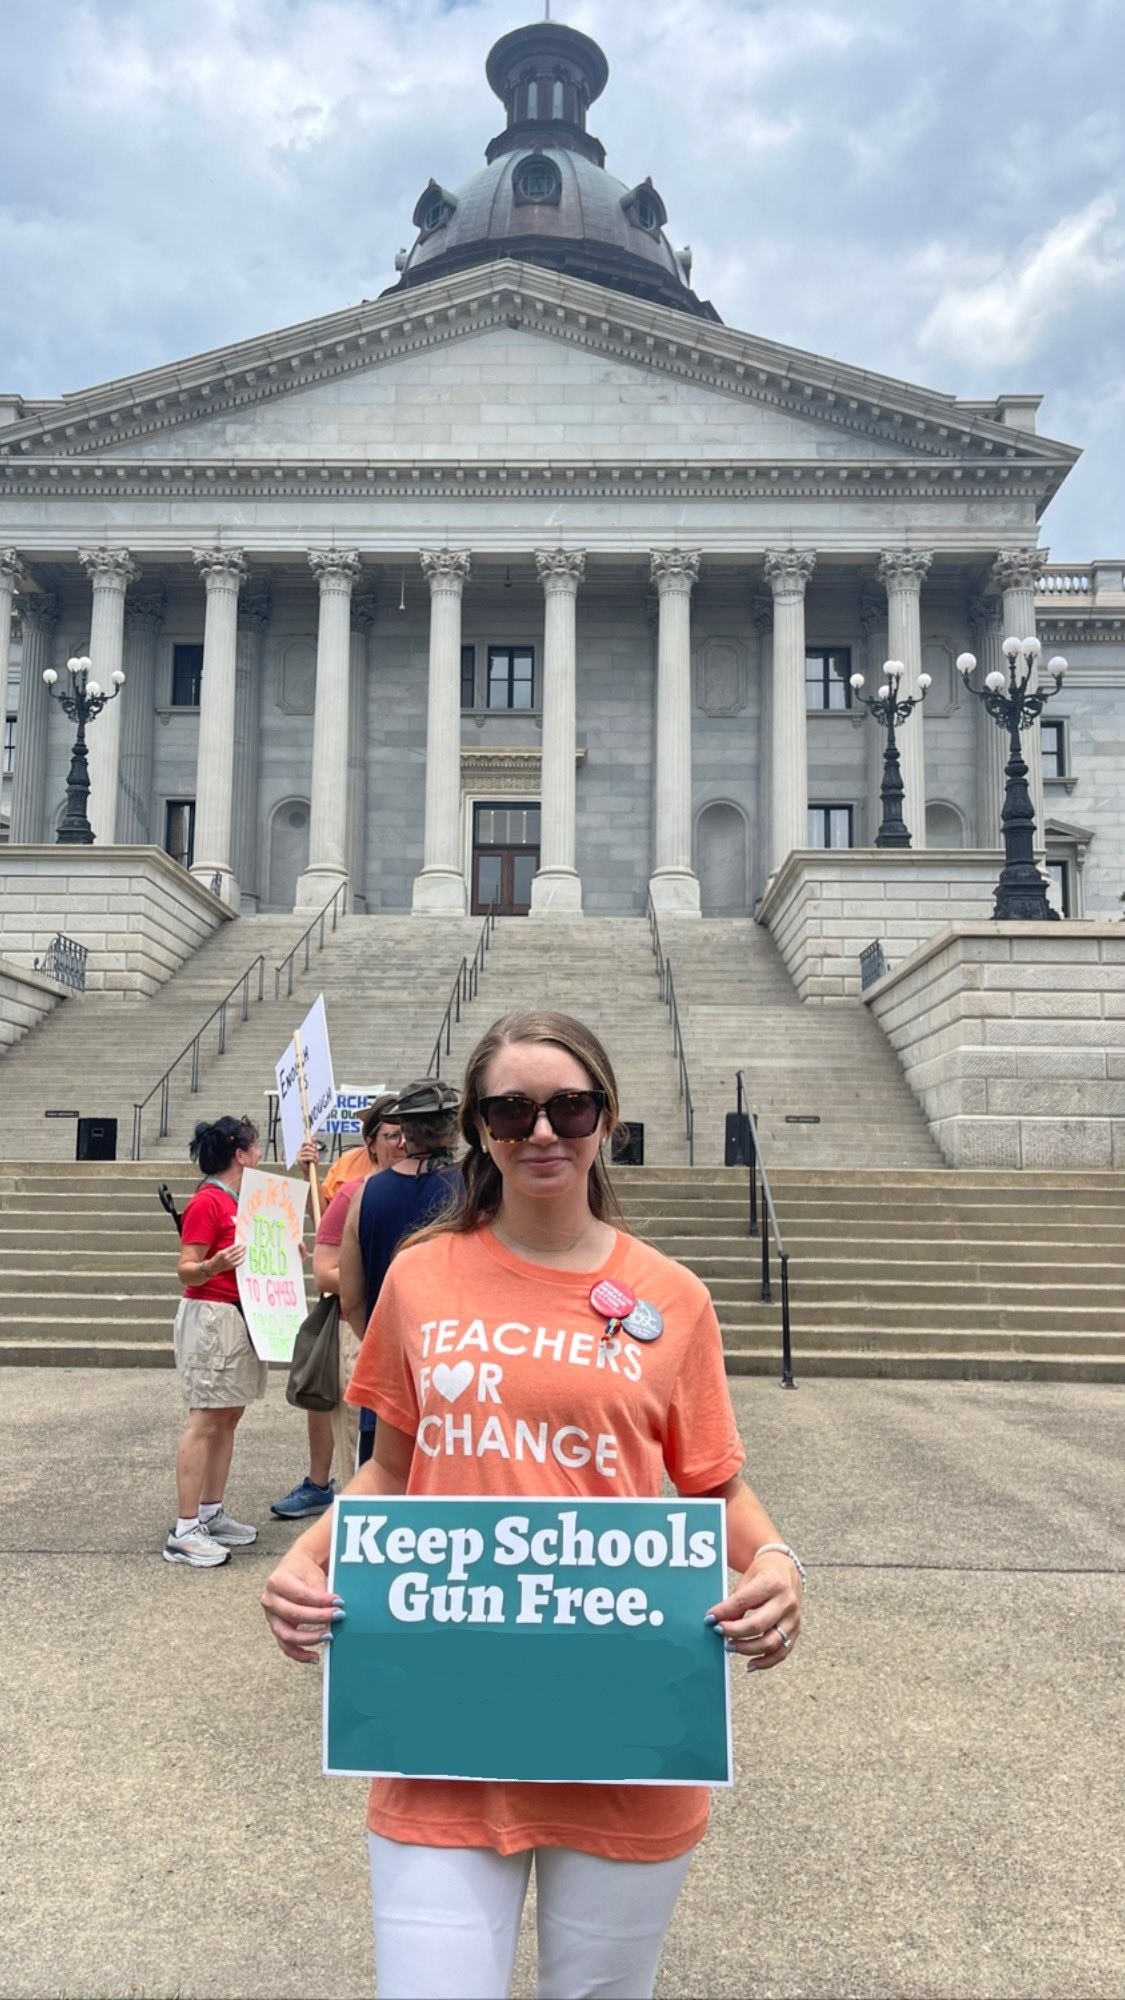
(929,1799)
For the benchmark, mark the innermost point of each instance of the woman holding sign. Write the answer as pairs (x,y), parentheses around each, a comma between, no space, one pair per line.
(529,1346)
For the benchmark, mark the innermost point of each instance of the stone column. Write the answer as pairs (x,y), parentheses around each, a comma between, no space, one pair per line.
(1015,574)
(363,618)
(39,615)
(223,572)
(986,624)
(11,570)
(253,619)
(556,889)
(873,628)
(901,572)
(337,570)
(787,573)
(441,884)
(761,617)
(673,884)
(143,619)
(110,571)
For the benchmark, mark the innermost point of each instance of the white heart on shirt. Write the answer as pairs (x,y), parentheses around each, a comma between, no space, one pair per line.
(452,1382)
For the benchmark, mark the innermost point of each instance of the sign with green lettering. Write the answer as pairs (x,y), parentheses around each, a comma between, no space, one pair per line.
(545,1640)
(271,1281)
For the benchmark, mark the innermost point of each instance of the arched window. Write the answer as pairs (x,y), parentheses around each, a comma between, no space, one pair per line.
(722,860)
(945,824)
(537,180)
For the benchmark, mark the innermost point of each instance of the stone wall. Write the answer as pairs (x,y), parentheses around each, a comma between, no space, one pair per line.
(824,906)
(138,914)
(1012,1037)
(26,998)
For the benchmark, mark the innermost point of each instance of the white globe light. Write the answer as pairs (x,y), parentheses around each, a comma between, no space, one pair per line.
(995,680)
(1032,648)
(117,677)
(93,687)
(856,681)
(84,663)
(884,691)
(893,668)
(966,663)
(50,677)
(74,666)
(1012,648)
(1057,665)
(925,681)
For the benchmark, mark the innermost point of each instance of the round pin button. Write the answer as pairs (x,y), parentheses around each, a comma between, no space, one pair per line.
(645,1322)
(612,1299)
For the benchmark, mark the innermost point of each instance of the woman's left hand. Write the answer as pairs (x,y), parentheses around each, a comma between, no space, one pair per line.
(762,1616)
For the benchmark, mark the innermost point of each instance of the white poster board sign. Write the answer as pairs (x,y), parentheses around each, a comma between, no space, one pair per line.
(314,1071)
(352,1100)
(271,1278)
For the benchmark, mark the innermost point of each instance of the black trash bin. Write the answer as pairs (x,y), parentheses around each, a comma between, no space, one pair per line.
(736,1140)
(629,1144)
(97,1139)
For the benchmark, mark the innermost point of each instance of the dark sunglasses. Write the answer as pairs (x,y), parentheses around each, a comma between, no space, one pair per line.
(571,1114)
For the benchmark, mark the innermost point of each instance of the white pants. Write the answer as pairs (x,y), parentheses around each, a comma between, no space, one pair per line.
(447,1921)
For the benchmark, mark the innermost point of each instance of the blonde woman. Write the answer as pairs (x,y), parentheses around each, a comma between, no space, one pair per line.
(537,1234)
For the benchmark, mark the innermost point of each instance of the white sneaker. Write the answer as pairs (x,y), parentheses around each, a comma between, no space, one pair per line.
(229,1533)
(198,1547)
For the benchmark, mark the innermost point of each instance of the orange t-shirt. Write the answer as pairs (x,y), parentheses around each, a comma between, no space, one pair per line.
(355,1165)
(499,1371)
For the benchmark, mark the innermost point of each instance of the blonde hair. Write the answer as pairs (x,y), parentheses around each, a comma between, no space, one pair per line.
(484,1186)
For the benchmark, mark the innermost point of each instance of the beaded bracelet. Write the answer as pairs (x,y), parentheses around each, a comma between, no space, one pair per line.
(783,1549)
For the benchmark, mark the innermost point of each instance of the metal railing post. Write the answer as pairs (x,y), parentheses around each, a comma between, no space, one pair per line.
(768,1227)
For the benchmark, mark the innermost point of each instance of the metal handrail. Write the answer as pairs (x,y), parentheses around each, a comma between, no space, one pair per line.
(668,995)
(194,1050)
(757,1168)
(465,988)
(340,899)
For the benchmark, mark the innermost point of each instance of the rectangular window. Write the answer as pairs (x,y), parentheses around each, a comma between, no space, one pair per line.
(187,676)
(830,826)
(9,743)
(179,830)
(1052,740)
(827,669)
(468,676)
(1058,886)
(511,677)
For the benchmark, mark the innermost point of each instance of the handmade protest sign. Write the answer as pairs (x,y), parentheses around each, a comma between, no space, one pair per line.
(352,1100)
(546,1640)
(305,1088)
(271,1281)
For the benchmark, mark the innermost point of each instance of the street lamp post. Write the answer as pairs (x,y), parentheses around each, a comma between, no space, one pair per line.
(1021,891)
(888,709)
(85,700)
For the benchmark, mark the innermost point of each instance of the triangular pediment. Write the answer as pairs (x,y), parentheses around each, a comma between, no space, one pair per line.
(511,363)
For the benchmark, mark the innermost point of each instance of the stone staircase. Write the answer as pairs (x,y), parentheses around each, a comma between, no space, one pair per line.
(385,982)
(829,1063)
(905,1273)
(603,971)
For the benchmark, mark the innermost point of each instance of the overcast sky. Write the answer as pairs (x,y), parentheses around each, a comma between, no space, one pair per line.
(931,188)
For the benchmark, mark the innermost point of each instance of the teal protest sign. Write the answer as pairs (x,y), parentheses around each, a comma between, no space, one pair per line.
(528,1639)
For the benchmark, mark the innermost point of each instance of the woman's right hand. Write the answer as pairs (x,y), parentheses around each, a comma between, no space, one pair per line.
(227,1260)
(300,1609)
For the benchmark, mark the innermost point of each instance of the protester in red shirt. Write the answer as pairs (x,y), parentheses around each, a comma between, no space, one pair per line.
(218,1369)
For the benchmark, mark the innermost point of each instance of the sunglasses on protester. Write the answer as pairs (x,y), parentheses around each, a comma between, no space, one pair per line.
(571,1114)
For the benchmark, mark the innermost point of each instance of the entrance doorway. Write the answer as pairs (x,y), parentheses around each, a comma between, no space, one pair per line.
(505,857)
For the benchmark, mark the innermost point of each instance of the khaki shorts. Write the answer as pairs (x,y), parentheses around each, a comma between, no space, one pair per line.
(216,1364)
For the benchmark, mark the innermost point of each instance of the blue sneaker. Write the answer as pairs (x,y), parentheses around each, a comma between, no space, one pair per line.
(304,1499)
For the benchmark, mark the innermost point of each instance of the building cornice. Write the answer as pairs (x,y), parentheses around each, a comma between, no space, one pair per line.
(930,426)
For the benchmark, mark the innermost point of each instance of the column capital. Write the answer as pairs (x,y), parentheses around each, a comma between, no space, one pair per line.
(788,571)
(144,615)
(254,610)
(335,569)
(39,611)
(363,611)
(221,569)
(11,569)
(445,570)
(674,571)
(1019,569)
(108,569)
(560,570)
(903,569)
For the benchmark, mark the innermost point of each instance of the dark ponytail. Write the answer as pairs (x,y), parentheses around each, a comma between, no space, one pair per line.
(213,1147)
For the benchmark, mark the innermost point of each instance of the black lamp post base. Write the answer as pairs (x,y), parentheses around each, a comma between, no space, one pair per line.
(895,836)
(74,836)
(1024,905)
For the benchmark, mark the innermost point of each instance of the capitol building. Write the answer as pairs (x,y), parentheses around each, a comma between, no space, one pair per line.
(532,583)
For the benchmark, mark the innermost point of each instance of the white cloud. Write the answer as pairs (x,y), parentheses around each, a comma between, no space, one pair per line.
(1007,315)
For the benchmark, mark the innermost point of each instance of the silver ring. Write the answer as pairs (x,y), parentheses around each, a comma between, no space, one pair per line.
(784,1637)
